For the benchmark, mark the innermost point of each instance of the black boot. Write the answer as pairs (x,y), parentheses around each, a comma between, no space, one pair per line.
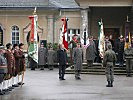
(111,84)
(108,84)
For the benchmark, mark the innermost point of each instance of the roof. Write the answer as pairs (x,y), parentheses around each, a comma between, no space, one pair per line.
(39,3)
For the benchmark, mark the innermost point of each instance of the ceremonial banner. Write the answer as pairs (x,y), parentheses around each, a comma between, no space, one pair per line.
(127,34)
(63,34)
(101,45)
(33,40)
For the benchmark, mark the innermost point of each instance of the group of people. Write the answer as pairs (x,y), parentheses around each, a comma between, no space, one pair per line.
(45,57)
(12,67)
(109,59)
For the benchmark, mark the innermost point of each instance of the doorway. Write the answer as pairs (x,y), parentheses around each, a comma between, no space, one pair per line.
(115,32)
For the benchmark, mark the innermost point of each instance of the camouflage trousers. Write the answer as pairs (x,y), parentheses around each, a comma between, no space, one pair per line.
(129,65)
(109,71)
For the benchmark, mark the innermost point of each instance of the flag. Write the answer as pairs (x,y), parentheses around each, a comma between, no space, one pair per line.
(33,39)
(84,39)
(63,34)
(101,45)
(127,34)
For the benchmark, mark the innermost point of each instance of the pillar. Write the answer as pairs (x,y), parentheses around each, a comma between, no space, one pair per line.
(50,36)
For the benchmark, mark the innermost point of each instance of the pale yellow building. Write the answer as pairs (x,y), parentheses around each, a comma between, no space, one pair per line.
(15,24)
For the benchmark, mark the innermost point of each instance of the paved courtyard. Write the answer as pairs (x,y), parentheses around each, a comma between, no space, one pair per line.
(44,85)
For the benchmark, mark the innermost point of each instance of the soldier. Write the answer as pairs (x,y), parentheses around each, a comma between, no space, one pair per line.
(42,56)
(129,60)
(62,61)
(77,59)
(91,52)
(109,60)
(3,69)
(21,63)
(50,58)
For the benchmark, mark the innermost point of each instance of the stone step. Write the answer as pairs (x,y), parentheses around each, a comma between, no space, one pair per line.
(97,69)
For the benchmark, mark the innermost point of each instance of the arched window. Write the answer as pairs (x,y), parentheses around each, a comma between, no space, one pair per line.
(15,34)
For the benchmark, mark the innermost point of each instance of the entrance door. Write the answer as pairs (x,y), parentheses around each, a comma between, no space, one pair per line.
(115,32)
(1,36)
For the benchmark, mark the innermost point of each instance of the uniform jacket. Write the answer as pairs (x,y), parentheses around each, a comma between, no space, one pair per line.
(91,51)
(50,57)
(110,57)
(42,56)
(77,58)
(128,53)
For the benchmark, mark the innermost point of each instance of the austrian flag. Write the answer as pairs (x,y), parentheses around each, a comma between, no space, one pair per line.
(63,34)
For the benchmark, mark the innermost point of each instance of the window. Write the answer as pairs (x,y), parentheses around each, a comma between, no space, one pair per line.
(15,34)
(72,32)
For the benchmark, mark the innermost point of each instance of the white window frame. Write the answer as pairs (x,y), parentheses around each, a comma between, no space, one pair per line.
(15,34)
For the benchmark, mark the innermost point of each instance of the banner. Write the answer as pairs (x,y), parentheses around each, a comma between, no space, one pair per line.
(33,40)
(63,34)
(101,45)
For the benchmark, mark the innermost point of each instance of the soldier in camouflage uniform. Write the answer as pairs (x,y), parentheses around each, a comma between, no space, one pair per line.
(129,60)
(109,63)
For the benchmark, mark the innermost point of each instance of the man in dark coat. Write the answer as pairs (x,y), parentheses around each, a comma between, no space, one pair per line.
(3,69)
(121,51)
(129,60)
(62,61)
(109,61)
(77,59)
(42,56)
(91,52)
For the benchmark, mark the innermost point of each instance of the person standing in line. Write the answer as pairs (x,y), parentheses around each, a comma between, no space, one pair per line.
(3,69)
(91,52)
(109,61)
(42,56)
(62,61)
(129,60)
(50,58)
(22,66)
(10,65)
(121,51)
(77,59)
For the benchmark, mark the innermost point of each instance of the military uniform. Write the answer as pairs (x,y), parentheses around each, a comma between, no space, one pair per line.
(42,57)
(91,53)
(129,60)
(50,59)
(78,59)
(109,63)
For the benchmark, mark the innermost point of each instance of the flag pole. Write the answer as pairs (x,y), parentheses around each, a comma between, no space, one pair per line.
(34,13)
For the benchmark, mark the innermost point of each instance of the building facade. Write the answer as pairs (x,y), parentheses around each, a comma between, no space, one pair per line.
(82,14)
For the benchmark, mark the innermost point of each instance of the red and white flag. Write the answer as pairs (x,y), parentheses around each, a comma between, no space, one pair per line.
(63,34)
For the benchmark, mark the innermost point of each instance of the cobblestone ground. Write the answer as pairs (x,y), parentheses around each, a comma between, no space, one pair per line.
(45,85)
